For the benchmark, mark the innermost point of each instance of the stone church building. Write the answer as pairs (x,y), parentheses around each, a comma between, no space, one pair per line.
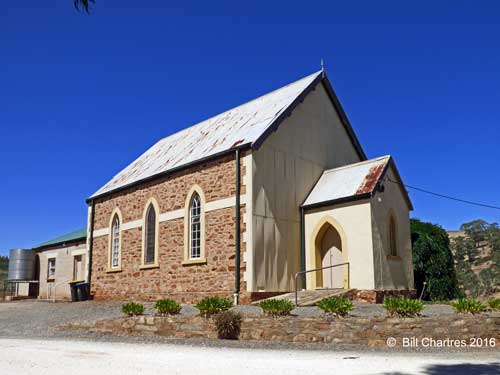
(237,204)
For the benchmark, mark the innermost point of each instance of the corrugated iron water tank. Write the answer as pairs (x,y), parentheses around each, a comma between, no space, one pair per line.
(22,265)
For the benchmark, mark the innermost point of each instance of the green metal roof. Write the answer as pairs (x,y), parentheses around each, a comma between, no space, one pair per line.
(69,237)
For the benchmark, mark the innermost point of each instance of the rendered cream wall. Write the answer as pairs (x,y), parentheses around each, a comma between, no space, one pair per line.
(285,169)
(391,273)
(353,221)
(64,269)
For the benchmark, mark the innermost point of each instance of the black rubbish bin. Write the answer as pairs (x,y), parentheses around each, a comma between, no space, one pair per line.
(73,288)
(82,290)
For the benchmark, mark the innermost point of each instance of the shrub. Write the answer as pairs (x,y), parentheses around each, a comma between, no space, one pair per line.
(213,305)
(167,307)
(403,307)
(277,307)
(433,262)
(228,325)
(494,303)
(472,306)
(132,308)
(338,306)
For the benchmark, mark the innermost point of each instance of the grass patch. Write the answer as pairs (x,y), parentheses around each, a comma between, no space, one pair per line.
(212,305)
(494,303)
(228,325)
(133,309)
(471,306)
(337,306)
(277,307)
(403,307)
(167,306)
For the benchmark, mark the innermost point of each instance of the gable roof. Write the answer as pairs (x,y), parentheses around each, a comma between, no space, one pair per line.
(80,234)
(247,125)
(351,182)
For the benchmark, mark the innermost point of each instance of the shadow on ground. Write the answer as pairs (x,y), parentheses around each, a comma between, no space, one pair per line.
(457,369)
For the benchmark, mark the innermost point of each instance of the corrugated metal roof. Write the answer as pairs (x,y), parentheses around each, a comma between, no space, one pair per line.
(236,127)
(348,181)
(68,237)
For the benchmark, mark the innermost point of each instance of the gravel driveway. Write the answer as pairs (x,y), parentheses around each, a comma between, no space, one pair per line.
(38,319)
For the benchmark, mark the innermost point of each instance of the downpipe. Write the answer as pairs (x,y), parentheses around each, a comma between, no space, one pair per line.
(91,245)
(237,232)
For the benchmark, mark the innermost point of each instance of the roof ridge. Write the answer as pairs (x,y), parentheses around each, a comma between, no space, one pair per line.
(241,125)
(238,106)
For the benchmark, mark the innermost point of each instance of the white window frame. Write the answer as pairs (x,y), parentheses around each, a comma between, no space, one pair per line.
(194,255)
(51,270)
(195,227)
(75,262)
(115,243)
(151,203)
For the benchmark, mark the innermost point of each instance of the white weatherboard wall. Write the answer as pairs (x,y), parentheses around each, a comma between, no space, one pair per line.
(285,169)
(391,272)
(353,222)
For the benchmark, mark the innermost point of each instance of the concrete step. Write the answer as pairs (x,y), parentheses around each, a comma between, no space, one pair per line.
(309,297)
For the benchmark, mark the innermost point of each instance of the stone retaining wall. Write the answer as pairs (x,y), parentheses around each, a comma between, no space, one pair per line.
(351,330)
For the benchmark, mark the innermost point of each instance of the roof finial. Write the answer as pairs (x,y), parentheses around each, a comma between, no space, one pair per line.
(322,67)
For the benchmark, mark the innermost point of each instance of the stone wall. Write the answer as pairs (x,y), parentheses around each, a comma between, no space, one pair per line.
(172,278)
(351,330)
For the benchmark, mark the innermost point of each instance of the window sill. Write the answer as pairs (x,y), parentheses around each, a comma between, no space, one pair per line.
(188,262)
(149,266)
(112,270)
(393,257)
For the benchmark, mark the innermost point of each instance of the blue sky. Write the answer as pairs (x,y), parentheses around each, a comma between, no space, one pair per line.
(82,96)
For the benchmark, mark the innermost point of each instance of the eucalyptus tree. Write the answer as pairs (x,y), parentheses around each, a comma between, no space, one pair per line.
(83,4)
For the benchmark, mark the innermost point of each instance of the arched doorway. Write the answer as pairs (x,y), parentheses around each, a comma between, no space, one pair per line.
(328,244)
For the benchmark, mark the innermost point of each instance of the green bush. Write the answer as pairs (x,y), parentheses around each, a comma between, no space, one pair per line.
(277,307)
(472,306)
(403,307)
(228,325)
(433,262)
(338,306)
(132,308)
(213,305)
(494,303)
(167,307)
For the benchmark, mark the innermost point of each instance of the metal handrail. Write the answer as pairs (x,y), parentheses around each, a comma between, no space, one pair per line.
(315,270)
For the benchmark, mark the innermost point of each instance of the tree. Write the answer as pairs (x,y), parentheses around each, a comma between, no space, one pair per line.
(83,4)
(4,266)
(479,249)
(433,262)
(477,231)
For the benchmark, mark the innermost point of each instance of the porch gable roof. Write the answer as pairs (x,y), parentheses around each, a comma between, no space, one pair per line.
(349,182)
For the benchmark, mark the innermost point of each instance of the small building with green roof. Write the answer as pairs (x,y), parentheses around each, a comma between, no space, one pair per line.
(61,260)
